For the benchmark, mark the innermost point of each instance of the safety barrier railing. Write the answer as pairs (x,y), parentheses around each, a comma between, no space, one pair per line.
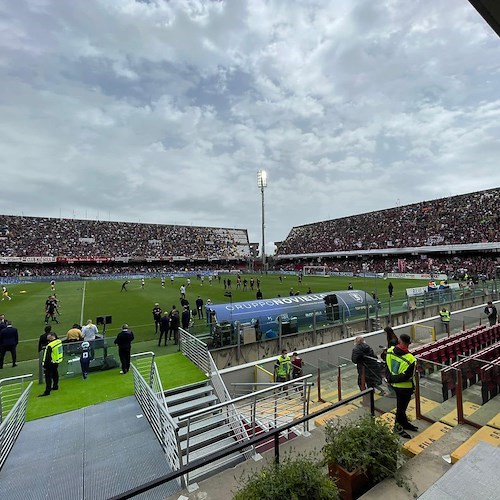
(311,369)
(330,388)
(14,393)
(272,435)
(149,394)
(195,350)
(253,414)
(234,418)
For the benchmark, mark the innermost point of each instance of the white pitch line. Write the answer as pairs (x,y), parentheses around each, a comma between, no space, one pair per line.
(83,302)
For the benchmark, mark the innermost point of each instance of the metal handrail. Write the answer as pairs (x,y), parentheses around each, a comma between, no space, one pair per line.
(239,399)
(195,350)
(275,433)
(155,409)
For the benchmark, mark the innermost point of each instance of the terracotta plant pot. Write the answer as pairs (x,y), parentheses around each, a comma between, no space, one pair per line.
(351,484)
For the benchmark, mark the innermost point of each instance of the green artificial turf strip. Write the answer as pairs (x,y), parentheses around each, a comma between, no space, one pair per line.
(74,393)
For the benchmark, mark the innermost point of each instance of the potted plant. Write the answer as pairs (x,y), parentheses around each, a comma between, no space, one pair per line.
(293,479)
(361,453)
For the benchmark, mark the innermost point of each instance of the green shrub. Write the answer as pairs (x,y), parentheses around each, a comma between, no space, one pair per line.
(293,479)
(365,444)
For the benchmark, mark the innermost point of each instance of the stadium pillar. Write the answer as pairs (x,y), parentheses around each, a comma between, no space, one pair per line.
(262,183)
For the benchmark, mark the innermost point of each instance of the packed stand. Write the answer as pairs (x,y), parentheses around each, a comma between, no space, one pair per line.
(464,219)
(45,237)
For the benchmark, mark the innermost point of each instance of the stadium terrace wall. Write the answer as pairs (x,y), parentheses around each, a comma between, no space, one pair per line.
(472,247)
(245,373)
(225,357)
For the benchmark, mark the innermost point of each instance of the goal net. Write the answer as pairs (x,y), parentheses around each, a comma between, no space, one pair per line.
(315,270)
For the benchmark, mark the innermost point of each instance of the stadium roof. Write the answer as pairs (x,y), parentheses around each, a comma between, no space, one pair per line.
(490,10)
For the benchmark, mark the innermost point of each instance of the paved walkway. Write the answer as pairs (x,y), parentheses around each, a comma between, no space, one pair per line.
(90,454)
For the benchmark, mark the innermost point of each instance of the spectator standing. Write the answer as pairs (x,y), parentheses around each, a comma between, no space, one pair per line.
(164,325)
(89,331)
(52,358)
(186,318)
(199,307)
(364,357)
(297,366)
(9,338)
(401,368)
(124,342)
(43,340)
(157,316)
(175,321)
(491,311)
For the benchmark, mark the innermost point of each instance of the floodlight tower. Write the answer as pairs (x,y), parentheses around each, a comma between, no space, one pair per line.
(262,183)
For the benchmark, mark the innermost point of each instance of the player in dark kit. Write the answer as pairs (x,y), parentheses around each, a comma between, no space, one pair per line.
(124,286)
(50,309)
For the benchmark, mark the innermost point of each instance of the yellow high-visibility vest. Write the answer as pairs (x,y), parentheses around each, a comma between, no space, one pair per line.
(399,364)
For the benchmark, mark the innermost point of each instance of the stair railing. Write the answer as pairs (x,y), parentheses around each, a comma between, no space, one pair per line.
(253,413)
(14,393)
(151,398)
(195,350)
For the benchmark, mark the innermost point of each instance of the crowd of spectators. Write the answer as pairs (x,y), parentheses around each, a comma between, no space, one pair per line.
(37,236)
(64,270)
(471,264)
(464,219)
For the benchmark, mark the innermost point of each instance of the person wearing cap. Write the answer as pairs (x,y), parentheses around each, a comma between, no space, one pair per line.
(401,373)
(491,311)
(157,316)
(124,342)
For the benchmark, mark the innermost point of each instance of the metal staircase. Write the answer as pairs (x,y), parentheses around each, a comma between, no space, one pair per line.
(203,428)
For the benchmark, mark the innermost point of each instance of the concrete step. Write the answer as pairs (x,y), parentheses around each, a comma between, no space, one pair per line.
(425,438)
(203,439)
(451,417)
(188,395)
(189,406)
(488,414)
(486,433)
(338,412)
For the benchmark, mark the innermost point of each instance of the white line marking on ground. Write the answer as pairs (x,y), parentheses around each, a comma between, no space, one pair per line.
(83,302)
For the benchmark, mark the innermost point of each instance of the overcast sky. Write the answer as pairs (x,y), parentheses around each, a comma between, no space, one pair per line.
(164,111)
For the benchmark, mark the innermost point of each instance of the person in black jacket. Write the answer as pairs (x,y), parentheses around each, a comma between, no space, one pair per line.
(199,307)
(175,322)
(9,338)
(164,326)
(186,318)
(363,356)
(157,316)
(124,342)
(491,311)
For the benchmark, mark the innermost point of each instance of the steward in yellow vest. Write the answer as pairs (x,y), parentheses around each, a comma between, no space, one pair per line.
(52,358)
(401,366)
(445,320)
(283,367)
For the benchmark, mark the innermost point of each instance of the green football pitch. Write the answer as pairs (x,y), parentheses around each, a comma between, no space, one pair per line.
(84,300)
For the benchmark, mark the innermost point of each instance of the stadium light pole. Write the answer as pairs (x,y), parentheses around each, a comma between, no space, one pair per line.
(262,184)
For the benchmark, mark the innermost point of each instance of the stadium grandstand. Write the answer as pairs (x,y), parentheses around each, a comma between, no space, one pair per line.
(445,235)
(38,243)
